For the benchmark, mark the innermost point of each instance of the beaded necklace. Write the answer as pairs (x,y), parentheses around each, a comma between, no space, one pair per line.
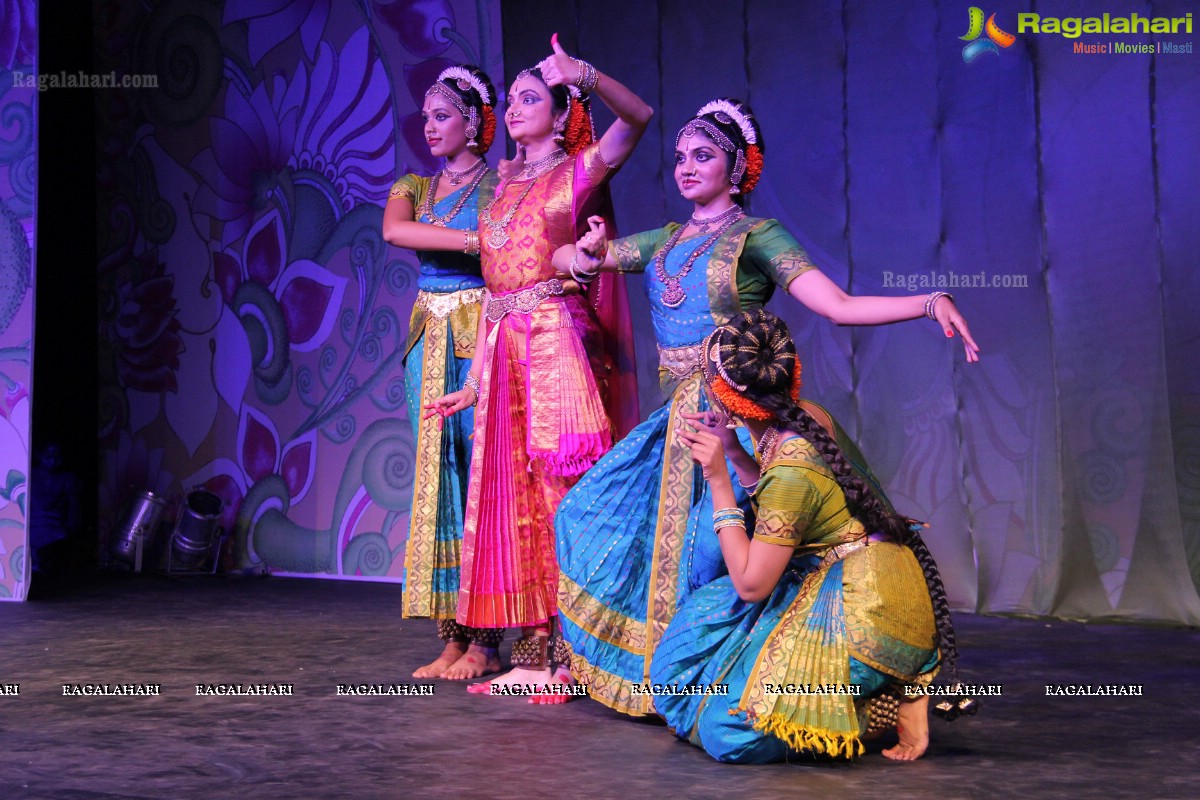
(426,208)
(457,176)
(674,295)
(766,448)
(702,223)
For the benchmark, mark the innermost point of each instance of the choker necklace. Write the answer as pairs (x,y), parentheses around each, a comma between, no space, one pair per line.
(673,294)
(534,169)
(702,223)
(426,207)
(455,176)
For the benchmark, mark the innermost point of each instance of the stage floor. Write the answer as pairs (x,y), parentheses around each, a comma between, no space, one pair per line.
(314,635)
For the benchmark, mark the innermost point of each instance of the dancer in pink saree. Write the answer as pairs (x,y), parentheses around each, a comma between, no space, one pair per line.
(546,377)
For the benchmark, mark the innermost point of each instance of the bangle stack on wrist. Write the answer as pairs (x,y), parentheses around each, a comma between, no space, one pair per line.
(588,77)
(931,301)
(472,383)
(731,517)
(471,243)
(579,274)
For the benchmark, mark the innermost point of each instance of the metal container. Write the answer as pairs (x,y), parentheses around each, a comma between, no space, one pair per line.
(137,535)
(197,530)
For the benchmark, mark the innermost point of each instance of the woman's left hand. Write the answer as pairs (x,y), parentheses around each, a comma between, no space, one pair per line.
(950,319)
(558,68)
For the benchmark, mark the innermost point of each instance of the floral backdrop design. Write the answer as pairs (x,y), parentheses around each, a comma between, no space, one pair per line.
(18,201)
(252,317)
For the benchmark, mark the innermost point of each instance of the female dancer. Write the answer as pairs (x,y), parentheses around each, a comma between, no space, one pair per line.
(634,536)
(539,373)
(825,607)
(422,213)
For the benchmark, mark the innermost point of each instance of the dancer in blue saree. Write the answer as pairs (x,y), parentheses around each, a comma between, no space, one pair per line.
(825,607)
(634,536)
(432,215)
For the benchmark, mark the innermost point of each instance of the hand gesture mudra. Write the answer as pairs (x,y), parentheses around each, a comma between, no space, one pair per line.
(509,168)
(593,245)
(559,68)
(706,447)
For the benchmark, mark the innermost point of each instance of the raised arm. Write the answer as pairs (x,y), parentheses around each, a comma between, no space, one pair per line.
(755,567)
(633,115)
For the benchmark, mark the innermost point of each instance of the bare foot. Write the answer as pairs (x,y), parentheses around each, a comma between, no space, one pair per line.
(476,662)
(913,729)
(549,696)
(451,653)
(515,680)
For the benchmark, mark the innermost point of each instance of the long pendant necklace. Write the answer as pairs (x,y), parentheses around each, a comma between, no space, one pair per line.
(426,208)
(498,229)
(673,293)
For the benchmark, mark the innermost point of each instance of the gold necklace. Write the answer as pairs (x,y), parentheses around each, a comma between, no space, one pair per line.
(535,168)
(498,229)
(456,176)
(426,208)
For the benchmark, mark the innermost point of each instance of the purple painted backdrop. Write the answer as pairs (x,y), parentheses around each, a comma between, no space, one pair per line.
(252,318)
(1062,474)
(18,202)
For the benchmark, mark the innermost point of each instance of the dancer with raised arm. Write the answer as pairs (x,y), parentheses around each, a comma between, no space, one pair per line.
(542,376)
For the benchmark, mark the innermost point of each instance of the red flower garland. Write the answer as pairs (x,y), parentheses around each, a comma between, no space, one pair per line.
(578,133)
(754,167)
(487,134)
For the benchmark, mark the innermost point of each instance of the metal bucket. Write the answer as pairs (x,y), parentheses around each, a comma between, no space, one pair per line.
(145,514)
(197,530)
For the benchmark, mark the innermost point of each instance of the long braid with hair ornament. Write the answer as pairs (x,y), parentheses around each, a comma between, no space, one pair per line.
(756,350)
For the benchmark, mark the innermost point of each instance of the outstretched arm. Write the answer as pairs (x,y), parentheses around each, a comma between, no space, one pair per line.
(814,289)
(633,115)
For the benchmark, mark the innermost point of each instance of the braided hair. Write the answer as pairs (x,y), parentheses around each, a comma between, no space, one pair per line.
(756,351)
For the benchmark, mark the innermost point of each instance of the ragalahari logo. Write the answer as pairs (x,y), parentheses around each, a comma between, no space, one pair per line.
(976,46)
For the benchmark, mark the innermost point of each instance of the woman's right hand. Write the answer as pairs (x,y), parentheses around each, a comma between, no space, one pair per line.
(593,245)
(508,169)
(450,404)
(716,423)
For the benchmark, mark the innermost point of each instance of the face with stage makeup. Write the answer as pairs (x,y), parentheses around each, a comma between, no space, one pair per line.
(445,127)
(701,169)
(533,109)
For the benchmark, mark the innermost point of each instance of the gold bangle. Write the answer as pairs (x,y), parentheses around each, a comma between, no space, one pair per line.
(471,243)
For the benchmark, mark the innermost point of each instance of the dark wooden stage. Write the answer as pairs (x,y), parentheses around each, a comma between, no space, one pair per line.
(315,635)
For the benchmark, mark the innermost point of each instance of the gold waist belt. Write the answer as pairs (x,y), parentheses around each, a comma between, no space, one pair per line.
(681,361)
(442,304)
(523,300)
